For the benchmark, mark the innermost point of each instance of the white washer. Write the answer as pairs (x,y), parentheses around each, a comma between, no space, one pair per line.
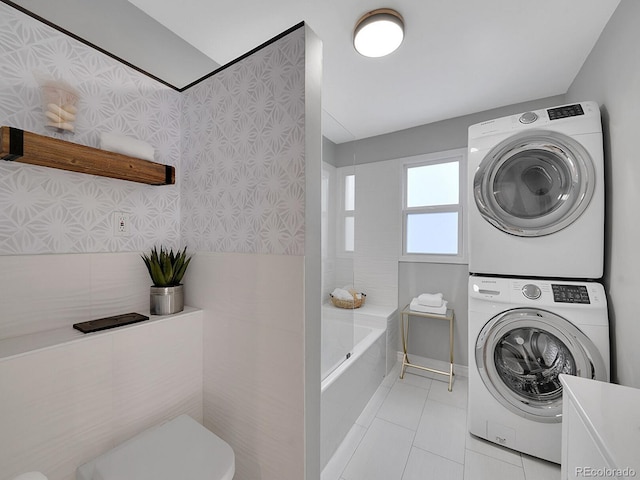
(536,206)
(523,334)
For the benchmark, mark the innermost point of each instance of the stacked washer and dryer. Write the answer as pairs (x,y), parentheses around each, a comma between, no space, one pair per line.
(536,249)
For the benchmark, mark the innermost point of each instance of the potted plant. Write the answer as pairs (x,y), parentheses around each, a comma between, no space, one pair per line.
(166,270)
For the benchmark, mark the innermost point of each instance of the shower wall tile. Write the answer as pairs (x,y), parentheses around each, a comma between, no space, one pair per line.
(330,264)
(64,405)
(378,278)
(377,249)
(43,210)
(378,222)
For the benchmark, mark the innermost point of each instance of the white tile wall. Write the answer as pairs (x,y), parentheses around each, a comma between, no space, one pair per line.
(64,405)
(253,357)
(56,408)
(378,231)
(157,374)
(328,227)
(44,292)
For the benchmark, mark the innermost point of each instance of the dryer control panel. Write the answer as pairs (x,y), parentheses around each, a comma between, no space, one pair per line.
(565,111)
(570,293)
(584,118)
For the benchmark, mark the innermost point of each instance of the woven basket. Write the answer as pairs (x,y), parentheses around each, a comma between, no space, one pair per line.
(351,304)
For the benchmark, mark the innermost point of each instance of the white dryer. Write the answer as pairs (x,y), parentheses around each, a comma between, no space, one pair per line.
(523,334)
(536,206)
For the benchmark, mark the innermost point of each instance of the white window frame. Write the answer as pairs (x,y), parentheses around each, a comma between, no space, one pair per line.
(343,213)
(459,155)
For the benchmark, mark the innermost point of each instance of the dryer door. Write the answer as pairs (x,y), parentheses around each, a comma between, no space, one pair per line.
(520,354)
(534,183)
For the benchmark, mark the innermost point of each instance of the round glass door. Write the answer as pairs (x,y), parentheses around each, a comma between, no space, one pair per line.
(520,355)
(534,184)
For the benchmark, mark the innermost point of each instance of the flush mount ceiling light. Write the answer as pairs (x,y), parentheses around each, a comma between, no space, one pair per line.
(378,33)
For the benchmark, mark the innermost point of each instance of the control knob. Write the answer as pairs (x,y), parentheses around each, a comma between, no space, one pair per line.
(528,117)
(531,291)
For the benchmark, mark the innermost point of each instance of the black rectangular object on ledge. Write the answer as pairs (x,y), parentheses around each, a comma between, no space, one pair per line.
(109,322)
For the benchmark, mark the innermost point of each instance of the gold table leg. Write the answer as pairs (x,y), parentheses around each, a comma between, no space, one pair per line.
(405,338)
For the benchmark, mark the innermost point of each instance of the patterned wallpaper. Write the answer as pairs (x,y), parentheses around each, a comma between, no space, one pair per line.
(44,210)
(236,139)
(243,179)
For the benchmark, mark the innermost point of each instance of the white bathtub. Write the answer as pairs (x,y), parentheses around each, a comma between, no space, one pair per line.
(350,385)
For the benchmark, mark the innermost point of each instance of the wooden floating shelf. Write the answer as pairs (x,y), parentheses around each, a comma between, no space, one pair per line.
(26,147)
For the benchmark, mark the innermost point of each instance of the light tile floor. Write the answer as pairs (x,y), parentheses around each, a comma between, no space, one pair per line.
(414,429)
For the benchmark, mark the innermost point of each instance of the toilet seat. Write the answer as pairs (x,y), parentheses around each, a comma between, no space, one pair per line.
(180,448)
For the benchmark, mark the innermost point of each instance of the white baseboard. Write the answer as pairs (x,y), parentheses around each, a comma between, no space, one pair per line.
(461,370)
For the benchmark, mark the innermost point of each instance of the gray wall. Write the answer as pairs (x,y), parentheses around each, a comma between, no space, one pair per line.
(434,137)
(328,151)
(429,337)
(611,76)
(429,340)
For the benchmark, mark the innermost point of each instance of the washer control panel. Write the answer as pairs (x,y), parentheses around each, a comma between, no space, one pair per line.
(570,293)
(524,292)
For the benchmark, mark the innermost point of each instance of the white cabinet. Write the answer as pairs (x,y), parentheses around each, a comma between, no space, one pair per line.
(600,430)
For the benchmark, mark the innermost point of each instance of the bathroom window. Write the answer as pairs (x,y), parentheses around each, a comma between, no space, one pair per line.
(433,207)
(348,211)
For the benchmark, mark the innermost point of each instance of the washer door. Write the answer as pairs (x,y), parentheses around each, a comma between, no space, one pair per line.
(534,183)
(520,354)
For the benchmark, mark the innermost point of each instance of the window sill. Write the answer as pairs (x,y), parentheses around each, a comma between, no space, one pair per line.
(453,259)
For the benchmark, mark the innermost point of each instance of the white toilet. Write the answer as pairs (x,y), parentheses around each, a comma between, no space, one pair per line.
(180,448)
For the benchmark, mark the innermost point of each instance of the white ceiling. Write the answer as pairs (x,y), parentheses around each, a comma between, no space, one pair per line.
(458,56)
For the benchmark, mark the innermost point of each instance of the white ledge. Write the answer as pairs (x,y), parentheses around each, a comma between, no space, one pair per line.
(25,344)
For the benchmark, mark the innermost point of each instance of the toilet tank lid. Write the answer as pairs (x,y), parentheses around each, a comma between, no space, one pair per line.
(180,448)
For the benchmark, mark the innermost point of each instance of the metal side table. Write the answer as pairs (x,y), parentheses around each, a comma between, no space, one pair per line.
(404,316)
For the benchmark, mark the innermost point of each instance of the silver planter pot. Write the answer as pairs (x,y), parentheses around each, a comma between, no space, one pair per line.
(166,300)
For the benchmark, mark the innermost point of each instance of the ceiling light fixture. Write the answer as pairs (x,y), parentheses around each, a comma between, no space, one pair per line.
(378,33)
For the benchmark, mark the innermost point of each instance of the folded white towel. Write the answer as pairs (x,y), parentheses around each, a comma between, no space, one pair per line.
(342,294)
(430,299)
(416,307)
(126,146)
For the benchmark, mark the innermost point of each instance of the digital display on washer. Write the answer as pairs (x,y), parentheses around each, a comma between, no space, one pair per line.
(570,294)
(564,112)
